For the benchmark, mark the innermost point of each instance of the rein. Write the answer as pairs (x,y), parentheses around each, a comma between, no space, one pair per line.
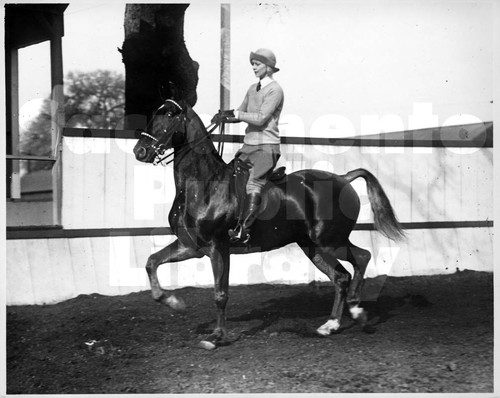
(190,144)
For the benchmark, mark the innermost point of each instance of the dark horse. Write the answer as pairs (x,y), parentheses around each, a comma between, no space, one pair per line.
(313,208)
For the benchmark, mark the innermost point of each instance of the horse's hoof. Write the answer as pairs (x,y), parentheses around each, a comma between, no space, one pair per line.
(359,315)
(362,320)
(328,327)
(323,332)
(176,304)
(207,345)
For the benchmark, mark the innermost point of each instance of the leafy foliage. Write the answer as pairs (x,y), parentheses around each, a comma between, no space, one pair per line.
(95,99)
(92,100)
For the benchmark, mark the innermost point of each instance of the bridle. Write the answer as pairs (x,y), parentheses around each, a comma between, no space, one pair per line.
(159,148)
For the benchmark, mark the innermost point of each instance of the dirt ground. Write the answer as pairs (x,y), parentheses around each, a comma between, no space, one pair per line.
(429,334)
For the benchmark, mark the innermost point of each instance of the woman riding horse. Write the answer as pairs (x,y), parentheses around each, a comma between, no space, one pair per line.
(261,109)
(313,208)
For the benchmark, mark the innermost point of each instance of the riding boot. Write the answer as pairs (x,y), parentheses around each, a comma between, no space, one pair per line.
(242,230)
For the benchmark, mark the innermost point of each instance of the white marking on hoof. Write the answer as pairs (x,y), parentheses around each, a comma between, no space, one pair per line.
(175,303)
(356,311)
(328,327)
(206,345)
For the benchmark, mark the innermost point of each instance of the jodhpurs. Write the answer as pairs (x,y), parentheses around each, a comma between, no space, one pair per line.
(262,159)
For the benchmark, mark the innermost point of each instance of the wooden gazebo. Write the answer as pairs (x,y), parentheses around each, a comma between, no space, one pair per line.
(26,25)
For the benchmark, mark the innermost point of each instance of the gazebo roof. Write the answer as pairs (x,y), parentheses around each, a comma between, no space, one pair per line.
(28,24)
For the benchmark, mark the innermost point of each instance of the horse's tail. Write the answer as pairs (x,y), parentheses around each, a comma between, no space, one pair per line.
(385,219)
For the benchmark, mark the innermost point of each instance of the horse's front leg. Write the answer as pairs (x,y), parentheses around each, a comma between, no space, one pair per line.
(176,251)
(220,266)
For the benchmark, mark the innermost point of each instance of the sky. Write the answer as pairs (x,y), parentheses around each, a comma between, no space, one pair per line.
(346,67)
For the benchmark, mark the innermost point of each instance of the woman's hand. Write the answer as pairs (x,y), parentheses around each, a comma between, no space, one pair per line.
(224,116)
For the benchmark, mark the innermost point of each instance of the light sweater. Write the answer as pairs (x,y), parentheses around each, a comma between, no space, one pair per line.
(261,110)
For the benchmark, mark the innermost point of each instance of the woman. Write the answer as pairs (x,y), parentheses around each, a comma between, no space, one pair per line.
(261,109)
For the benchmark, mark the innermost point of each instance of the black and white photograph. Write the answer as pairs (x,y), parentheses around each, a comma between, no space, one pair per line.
(242,197)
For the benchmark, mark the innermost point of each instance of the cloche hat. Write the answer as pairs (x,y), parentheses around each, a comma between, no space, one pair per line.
(265,56)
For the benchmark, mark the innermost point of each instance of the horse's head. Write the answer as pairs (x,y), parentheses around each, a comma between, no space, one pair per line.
(166,130)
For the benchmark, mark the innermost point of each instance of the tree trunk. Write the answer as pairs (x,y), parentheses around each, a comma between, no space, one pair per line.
(155,55)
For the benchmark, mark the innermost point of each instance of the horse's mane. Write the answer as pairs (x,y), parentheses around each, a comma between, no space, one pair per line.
(196,121)
(192,116)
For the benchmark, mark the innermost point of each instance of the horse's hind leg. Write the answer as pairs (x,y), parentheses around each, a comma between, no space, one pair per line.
(176,251)
(359,258)
(325,261)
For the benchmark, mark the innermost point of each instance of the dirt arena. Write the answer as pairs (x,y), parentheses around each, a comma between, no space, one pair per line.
(428,334)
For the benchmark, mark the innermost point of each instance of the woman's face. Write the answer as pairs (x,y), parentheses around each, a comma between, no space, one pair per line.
(259,69)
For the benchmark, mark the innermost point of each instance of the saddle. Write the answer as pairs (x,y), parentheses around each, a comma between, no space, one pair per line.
(241,172)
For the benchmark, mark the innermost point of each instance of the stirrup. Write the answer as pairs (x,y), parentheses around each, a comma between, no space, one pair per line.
(237,235)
